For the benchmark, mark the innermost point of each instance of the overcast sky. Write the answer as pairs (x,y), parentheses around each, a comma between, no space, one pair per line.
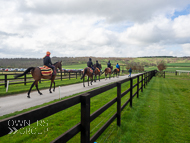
(101,28)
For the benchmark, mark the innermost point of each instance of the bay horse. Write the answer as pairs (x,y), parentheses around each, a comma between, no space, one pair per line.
(97,71)
(108,71)
(116,72)
(36,74)
(89,72)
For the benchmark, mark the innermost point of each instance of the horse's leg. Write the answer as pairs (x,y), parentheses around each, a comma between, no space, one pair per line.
(54,86)
(95,78)
(83,81)
(88,80)
(36,84)
(50,87)
(30,89)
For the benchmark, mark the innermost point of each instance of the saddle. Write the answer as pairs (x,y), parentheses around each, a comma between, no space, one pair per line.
(46,71)
(117,69)
(91,70)
(98,69)
(109,69)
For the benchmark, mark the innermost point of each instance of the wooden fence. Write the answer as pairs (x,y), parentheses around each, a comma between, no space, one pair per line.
(28,78)
(86,117)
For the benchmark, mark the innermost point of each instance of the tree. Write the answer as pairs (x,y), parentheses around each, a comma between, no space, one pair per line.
(161,66)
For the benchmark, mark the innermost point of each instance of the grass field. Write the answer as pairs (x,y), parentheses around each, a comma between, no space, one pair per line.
(80,66)
(178,64)
(62,121)
(161,114)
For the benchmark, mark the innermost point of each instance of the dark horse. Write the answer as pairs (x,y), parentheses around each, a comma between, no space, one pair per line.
(116,72)
(108,71)
(96,72)
(89,72)
(36,74)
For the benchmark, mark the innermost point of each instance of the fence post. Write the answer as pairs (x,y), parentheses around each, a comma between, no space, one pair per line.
(25,79)
(144,80)
(164,74)
(142,83)
(118,103)
(5,80)
(76,75)
(175,72)
(85,118)
(69,75)
(61,75)
(138,86)
(131,91)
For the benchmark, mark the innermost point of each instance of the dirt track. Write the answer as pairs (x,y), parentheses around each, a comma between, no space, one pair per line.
(19,102)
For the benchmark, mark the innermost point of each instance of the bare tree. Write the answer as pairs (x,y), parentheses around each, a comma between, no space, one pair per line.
(161,66)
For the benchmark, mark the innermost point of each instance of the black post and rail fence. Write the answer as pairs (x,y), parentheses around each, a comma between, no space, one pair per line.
(28,78)
(86,118)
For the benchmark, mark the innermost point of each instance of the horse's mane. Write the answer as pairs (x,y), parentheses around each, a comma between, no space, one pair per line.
(55,63)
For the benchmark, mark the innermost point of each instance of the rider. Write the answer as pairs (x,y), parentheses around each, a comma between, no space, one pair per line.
(90,64)
(47,62)
(117,66)
(109,65)
(97,65)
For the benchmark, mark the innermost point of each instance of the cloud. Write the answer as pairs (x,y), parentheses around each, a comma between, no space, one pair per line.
(93,28)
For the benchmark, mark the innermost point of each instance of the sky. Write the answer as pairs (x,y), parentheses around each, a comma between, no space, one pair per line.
(99,28)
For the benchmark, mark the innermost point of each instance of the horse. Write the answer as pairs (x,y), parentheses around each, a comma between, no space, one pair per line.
(108,71)
(116,72)
(89,72)
(37,75)
(97,71)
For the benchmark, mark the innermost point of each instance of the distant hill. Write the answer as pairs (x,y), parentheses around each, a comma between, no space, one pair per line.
(143,61)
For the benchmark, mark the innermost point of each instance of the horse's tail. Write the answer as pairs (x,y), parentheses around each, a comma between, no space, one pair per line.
(103,71)
(85,70)
(26,71)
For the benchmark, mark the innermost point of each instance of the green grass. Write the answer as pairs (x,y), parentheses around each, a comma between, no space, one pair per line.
(62,121)
(161,114)
(80,66)
(173,69)
(178,64)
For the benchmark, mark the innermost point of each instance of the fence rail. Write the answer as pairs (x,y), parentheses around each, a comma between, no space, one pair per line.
(28,78)
(86,117)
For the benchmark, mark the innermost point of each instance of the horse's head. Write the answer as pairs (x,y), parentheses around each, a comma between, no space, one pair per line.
(58,65)
(100,66)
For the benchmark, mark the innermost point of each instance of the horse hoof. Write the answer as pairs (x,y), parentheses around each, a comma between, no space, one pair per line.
(40,93)
(54,90)
(50,92)
(28,96)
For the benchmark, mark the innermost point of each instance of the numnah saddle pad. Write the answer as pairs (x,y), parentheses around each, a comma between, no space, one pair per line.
(91,70)
(117,69)
(46,71)
(98,69)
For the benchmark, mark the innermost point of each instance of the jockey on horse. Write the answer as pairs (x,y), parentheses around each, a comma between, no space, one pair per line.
(109,65)
(90,64)
(47,62)
(118,67)
(98,65)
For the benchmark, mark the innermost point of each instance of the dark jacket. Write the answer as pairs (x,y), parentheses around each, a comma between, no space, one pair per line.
(47,61)
(130,70)
(109,65)
(97,65)
(89,64)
